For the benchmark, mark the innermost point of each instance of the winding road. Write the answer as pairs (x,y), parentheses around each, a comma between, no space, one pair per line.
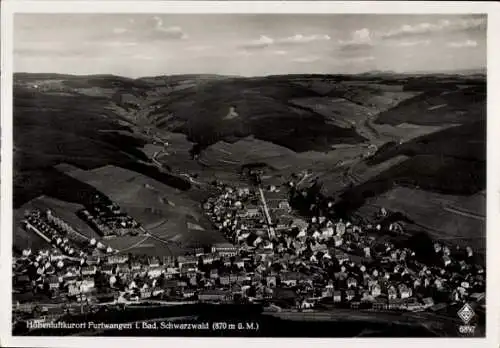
(155,156)
(306,175)
(190,178)
(135,244)
(465,213)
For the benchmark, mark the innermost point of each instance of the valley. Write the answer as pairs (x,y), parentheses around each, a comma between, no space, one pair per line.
(362,136)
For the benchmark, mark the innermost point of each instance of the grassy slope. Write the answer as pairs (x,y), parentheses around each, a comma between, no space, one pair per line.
(434,159)
(434,107)
(450,164)
(52,129)
(265,111)
(288,122)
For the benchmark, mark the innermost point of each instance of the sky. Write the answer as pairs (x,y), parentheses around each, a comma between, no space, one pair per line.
(137,45)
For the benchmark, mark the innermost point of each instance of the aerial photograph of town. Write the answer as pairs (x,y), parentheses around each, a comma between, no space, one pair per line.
(251,175)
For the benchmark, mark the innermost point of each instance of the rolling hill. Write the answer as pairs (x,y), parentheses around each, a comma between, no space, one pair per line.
(365,137)
(265,109)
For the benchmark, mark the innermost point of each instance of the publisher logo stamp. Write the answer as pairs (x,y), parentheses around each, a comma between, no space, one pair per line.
(466,313)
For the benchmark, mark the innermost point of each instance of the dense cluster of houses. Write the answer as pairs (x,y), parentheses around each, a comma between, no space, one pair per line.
(306,263)
(62,236)
(323,258)
(51,229)
(107,219)
(128,277)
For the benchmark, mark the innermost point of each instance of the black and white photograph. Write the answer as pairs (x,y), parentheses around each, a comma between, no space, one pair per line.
(288,175)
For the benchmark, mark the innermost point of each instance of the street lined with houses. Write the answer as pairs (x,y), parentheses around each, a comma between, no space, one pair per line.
(316,266)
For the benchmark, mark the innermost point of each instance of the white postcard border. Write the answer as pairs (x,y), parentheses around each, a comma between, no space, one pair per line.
(10,7)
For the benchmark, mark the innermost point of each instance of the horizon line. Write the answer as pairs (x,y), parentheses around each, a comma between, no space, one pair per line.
(480,71)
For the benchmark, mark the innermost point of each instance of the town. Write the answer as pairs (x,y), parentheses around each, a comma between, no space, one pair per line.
(273,256)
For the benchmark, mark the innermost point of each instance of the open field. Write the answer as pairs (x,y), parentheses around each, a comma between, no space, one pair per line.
(338,111)
(66,211)
(128,187)
(143,245)
(23,239)
(162,210)
(428,133)
(436,107)
(407,131)
(280,162)
(265,111)
(429,211)
(448,162)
